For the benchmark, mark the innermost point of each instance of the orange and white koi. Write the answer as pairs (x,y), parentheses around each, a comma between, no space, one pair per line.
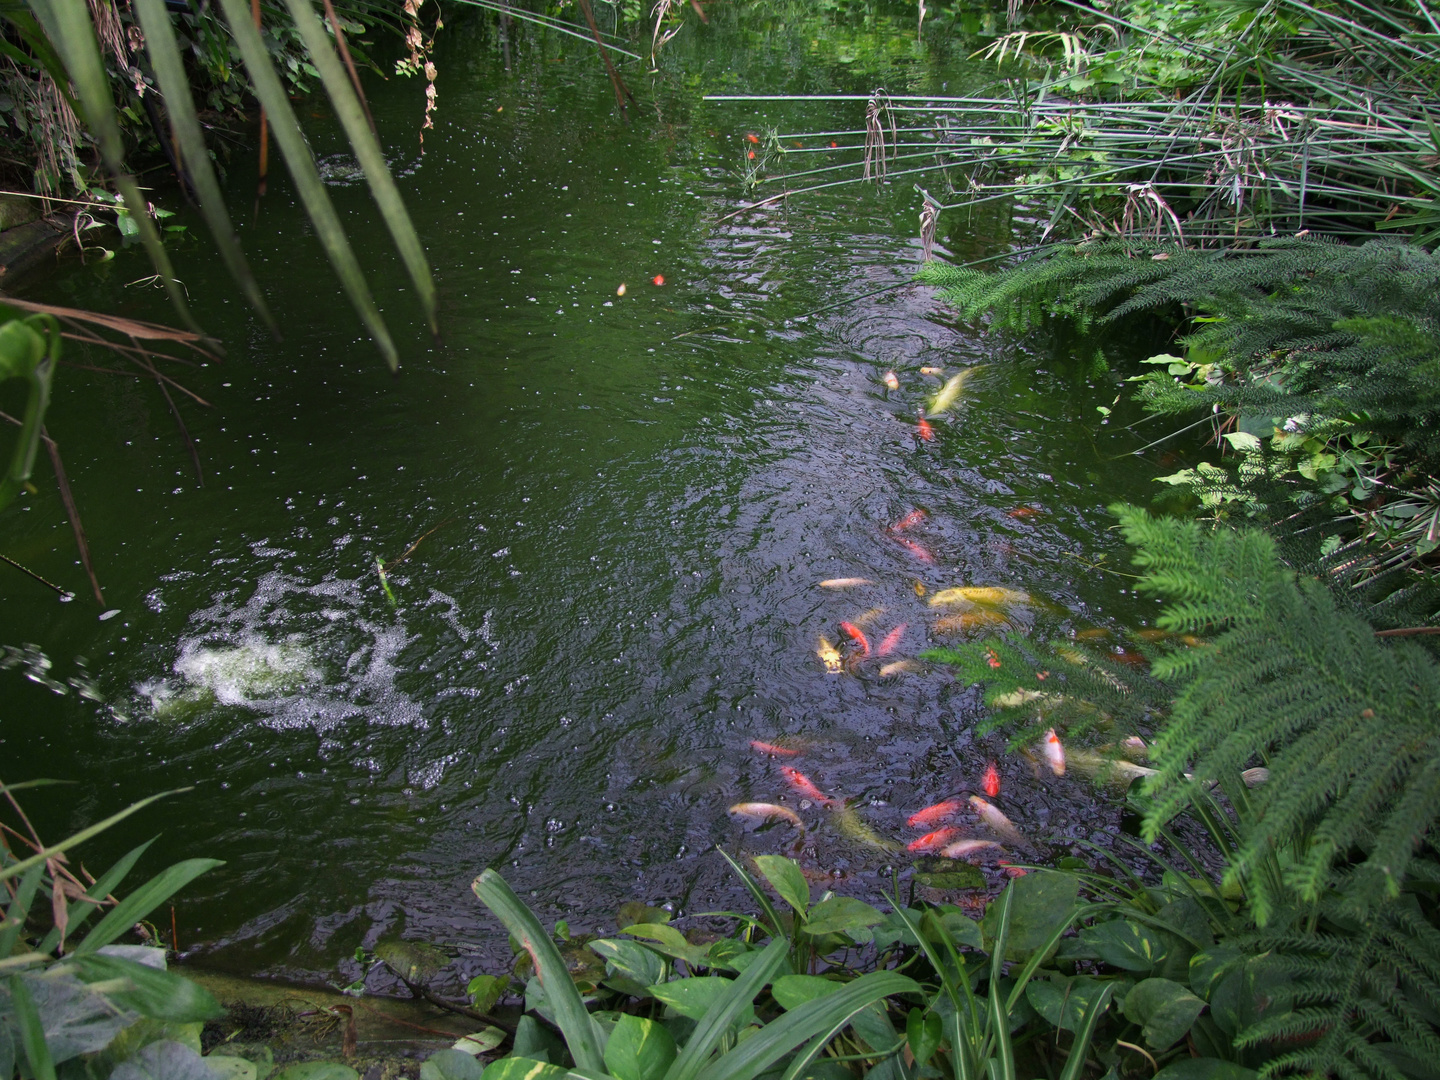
(805,786)
(891,381)
(891,641)
(755,814)
(963,849)
(932,371)
(770,748)
(895,667)
(935,814)
(1054,753)
(845,582)
(923,429)
(829,656)
(856,635)
(991,781)
(997,822)
(915,549)
(933,840)
(909,521)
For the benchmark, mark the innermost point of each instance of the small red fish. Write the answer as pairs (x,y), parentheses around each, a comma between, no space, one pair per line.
(915,549)
(991,781)
(752,155)
(659,279)
(933,815)
(804,785)
(992,658)
(925,430)
(753,137)
(770,748)
(1013,871)
(833,144)
(892,640)
(909,521)
(856,635)
(1022,512)
(932,840)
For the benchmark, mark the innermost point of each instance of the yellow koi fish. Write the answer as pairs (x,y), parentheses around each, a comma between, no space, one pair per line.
(997,822)
(754,814)
(950,392)
(896,667)
(829,656)
(852,826)
(993,595)
(971,620)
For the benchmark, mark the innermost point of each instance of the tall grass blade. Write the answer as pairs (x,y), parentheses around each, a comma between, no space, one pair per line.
(32,1031)
(308,184)
(142,901)
(17,868)
(79,912)
(360,132)
(19,909)
(169,68)
(726,1010)
(1081,1047)
(69,26)
(581,1034)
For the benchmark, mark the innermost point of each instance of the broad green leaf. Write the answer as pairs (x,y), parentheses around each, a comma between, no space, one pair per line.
(671,942)
(308,185)
(32,1032)
(639,1049)
(161,995)
(692,997)
(413,961)
(1126,945)
(873,1024)
(79,911)
(1205,1069)
(1164,1010)
(1079,1050)
(786,879)
(522,1068)
(367,153)
(139,903)
(73,1018)
(922,1032)
(169,68)
(1041,901)
(480,1042)
(581,1035)
(961,929)
(791,991)
(314,1070)
(1064,1002)
(226,1067)
(485,990)
(168,1060)
(535,1040)
(451,1065)
(841,914)
(630,965)
(633,912)
(716,1024)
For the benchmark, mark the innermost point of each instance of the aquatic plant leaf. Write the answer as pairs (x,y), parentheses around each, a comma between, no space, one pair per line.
(309,1070)
(923,1034)
(1041,901)
(159,994)
(692,997)
(1063,1002)
(630,962)
(169,1060)
(793,990)
(536,1041)
(139,903)
(1164,1010)
(786,879)
(716,1023)
(639,1049)
(1205,1068)
(841,914)
(19,909)
(78,912)
(1079,1049)
(671,942)
(522,1068)
(948,874)
(485,990)
(228,1067)
(633,912)
(480,1042)
(308,186)
(1126,945)
(959,928)
(451,1064)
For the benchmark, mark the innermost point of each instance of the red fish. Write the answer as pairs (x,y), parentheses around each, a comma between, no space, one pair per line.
(856,635)
(752,155)
(833,144)
(804,785)
(1013,871)
(933,815)
(659,279)
(932,840)
(770,748)
(909,521)
(915,549)
(1022,512)
(753,137)
(892,640)
(926,432)
(991,781)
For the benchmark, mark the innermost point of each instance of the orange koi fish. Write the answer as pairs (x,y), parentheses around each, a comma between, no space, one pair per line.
(753,137)
(1013,871)
(1022,512)
(659,279)
(932,371)
(892,640)
(932,840)
(891,381)
(915,549)
(805,786)
(991,781)
(754,814)
(924,429)
(933,815)
(896,667)
(770,748)
(833,144)
(999,824)
(963,849)
(856,635)
(909,521)
(1054,753)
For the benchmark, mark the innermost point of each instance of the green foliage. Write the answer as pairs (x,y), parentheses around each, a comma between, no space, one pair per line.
(29,351)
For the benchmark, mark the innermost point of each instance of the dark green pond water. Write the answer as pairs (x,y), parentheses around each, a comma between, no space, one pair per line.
(632,502)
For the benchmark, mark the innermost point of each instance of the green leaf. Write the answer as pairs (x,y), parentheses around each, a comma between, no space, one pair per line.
(692,997)
(480,1042)
(314,1070)
(1079,1050)
(139,903)
(1041,901)
(1205,1069)
(413,961)
(226,1067)
(786,879)
(451,1065)
(639,1049)
(169,1060)
(522,1068)
(841,914)
(633,912)
(308,185)
(948,874)
(716,1023)
(534,1040)
(922,1032)
(1164,1010)
(32,1033)
(485,990)
(1064,1002)
(79,911)
(949,922)
(581,1035)
(1126,945)
(19,909)
(629,966)
(671,942)
(151,992)
(792,990)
